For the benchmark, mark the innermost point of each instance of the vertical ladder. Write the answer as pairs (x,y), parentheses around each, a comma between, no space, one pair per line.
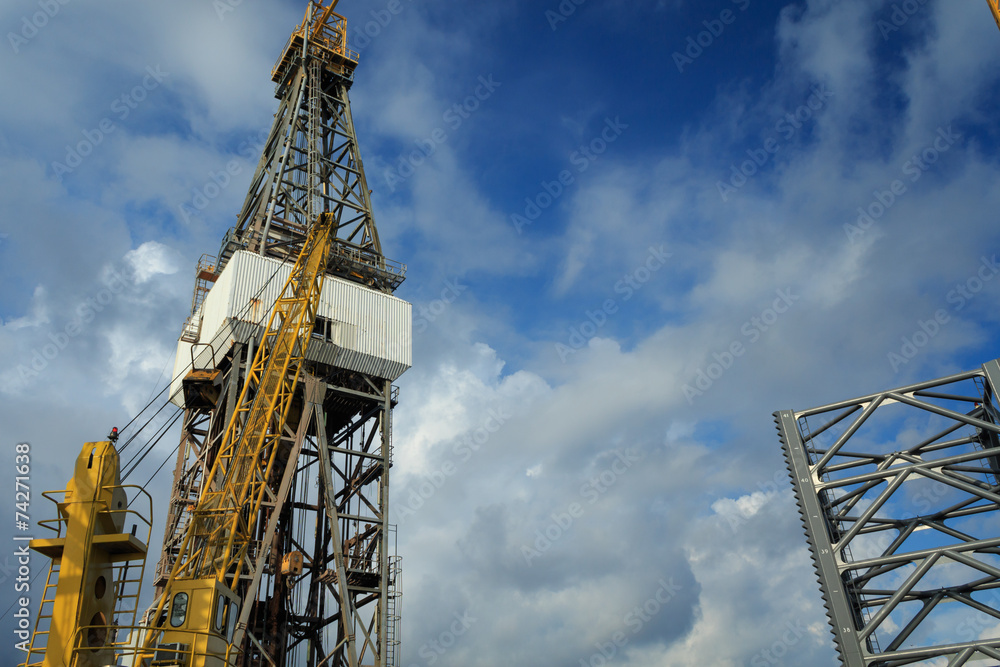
(394,619)
(40,637)
(315,205)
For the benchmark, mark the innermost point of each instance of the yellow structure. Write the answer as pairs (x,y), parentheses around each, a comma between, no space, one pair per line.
(195,626)
(96,567)
(196,616)
(996,10)
(326,34)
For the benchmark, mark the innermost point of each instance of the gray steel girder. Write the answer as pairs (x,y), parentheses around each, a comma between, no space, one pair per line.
(899,494)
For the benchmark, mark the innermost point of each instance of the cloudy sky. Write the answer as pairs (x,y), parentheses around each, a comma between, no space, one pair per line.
(633,230)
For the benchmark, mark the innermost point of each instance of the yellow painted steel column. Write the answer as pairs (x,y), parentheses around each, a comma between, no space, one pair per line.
(93,514)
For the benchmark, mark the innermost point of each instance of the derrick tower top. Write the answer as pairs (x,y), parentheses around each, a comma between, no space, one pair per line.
(324,35)
(311,164)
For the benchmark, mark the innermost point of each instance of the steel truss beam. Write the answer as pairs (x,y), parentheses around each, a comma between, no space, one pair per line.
(331,506)
(900,498)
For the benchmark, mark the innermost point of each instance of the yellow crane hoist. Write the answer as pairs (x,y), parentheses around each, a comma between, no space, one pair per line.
(193,623)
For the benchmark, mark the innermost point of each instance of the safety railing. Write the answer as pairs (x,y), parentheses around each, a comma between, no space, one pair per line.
(57,525)
(327,40)
(130,650)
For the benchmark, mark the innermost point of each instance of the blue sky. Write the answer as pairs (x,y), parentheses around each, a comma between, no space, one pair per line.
(792,204)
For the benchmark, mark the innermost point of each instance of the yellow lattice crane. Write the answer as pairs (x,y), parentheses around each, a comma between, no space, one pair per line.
(194,621)
(200,592)
(995,8)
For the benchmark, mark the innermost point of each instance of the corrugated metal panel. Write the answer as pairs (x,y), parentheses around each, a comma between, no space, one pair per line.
(371,332)
(182,363)
(383,322)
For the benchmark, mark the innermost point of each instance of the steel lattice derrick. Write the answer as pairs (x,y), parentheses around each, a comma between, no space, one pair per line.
(995,8)
(311,162)
(900,498)
(335,609)
(324,498)
(297,619)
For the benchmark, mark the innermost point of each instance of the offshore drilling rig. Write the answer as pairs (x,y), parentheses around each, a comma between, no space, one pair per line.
(277,549)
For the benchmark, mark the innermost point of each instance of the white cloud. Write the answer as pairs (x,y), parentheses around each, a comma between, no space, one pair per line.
(151,259)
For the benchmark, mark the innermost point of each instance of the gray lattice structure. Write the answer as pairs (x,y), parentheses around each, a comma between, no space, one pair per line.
(900,499)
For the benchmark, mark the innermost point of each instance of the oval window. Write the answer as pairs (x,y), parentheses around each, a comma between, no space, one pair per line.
(178,610)
(97,633)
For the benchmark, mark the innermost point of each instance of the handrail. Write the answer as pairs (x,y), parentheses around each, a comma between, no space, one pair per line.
(132,646)
(329,35)
(128,509)
(211,349)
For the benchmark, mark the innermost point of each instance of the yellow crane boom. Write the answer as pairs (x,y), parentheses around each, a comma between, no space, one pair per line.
(995,8)
(214,552)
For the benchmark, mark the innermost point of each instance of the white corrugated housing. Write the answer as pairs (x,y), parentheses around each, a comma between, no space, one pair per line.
(365,330)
